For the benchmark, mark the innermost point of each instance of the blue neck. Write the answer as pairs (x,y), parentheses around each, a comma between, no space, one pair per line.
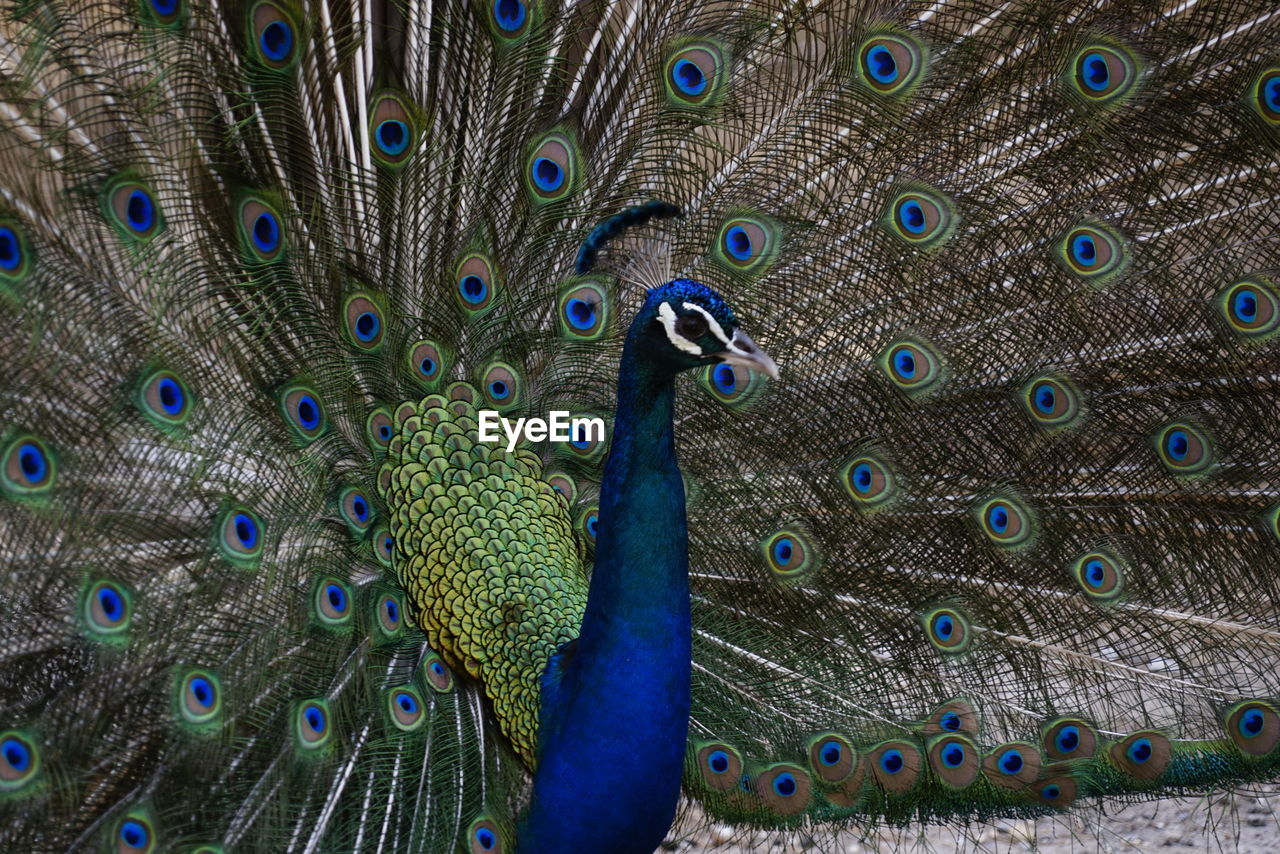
(615,709)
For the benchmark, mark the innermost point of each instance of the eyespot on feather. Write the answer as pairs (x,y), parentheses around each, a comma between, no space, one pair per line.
(731,385)
(163,399)
(1052,402)
(583,311)
(1069,738)
(1006,521)
(1093,252)
(356,510)
(28,470)
(1100,575)
(239,536)
(133,833)
(1102,74)
(363,322)
(747,243)
(164,13)
(1144,755)
(895,765)
(1264,95)
(790,554)
(331,603)
(953,716)
(485,837)
(477,283)
(947,630)
(1184,449)
(198,698)
(106,610)
(393,129)
(1058,790)
(868,480)
(694,75)
(16,257)
(1254,727)
(130,206)
(378,429)
(1251,308)
(551,170)
(261,230)
(784,789)
(911,365)
(1014,765)
(510,20)
(719,765)
(890,64)
(312,725)
(438,674)
(302,412)
(921,218)
(20,762)
(955,760)
(274,36)
(406,709)
(500,385)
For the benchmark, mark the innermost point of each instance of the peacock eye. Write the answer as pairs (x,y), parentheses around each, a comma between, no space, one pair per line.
(692,326)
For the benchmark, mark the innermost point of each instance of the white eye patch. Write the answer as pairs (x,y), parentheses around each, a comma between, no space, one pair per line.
(668,317)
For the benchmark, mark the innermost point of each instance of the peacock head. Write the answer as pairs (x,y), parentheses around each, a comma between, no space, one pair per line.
(684,324)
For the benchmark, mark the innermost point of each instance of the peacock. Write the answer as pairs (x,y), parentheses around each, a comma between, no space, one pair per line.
(893,393)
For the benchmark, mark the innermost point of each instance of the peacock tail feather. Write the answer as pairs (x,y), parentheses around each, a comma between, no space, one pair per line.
(1004,536)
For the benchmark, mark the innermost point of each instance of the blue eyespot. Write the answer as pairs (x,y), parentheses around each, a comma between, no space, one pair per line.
(201,691)
(10,249)
(337,598)
(911,215)
(580,438)
(17,755)
(134,834)
(164,8)
(593,524)
(276,41)
(1251,723)
(782,551)
(388,546)
(1084,250)
(724,379)
(738,243)
(392,610)
(861,478)
(784,785)
(944,627)
(437,668)
(953,755)
(1271,90)
(998,518)
(315,718)
(407,703)
(950,721)
(266,229)
(171,396)
(360,507)
(1177,444)
(392,136)
(1068,739)
(904,364)
(547,174)
(718,761)
(509,14)
(891,761)
(485,838)
(1096,74)
(140,211)
(1010,762)
(1046,398)
(367,326)
(308,412)
(688,77)
(580,313)
(881,65)
(1140,750)
(1095,573)
(499,390)
(1245,306)
(473,289)
(830,753)
(246,531)
(111,603)
(1050,792)
(32,462)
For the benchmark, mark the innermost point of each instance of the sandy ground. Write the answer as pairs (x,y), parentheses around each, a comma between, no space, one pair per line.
(1247,822)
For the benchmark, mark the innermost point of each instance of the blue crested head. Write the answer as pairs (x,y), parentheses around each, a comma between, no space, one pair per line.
(684,324)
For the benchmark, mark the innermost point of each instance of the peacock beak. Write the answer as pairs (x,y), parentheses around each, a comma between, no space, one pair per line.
(743,351)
